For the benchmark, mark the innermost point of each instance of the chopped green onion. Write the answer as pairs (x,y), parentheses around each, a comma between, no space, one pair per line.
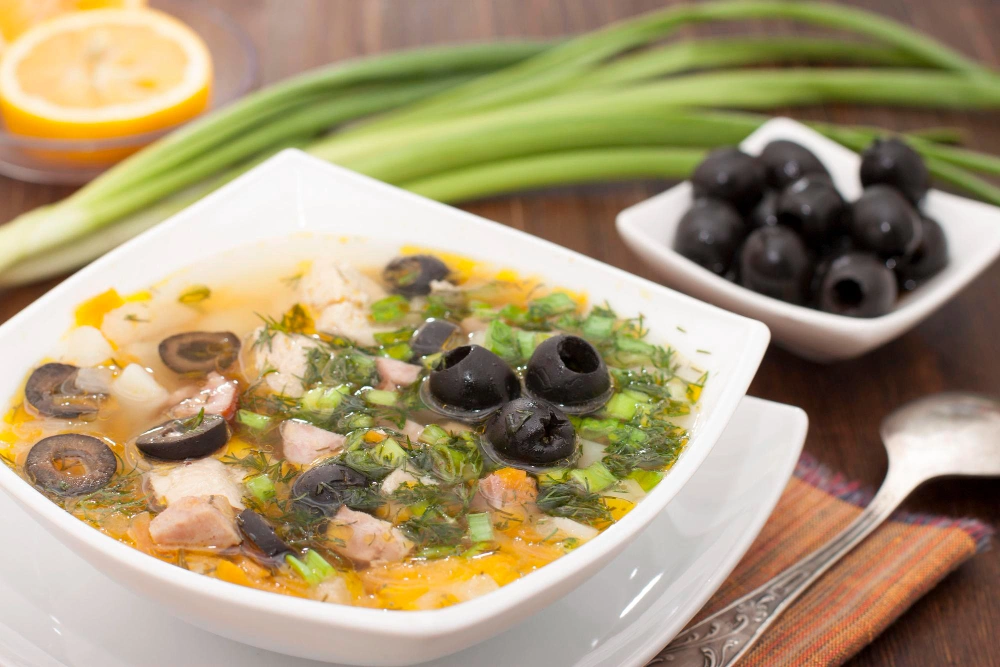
(593,427)
(261,487)
(556,303)
(390,452)
(500,340)
(324,399)
(360,420)
(557,476)
(319,565)
(480,527)
(478,549)
(381,397)
(392,337)
(594,478)
(597,327)
(621,407)
(633,345)
(647,479)
(303,570)
(195,294)
(434,434)
(638,396)
(254,420)
(401,351)
(513,313)
(390,309)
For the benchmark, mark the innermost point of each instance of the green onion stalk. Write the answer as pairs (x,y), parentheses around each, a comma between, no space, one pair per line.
(453,120)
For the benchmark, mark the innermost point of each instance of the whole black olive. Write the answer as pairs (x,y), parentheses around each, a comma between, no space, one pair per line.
(765,213)
(432,336)
(259,532)
(412,275)
(469,383)
(885,223)
(732,176)
(786,162)
(709,234)
(891,162)
(775,262)
(200,351)
(70,464)
(570,372)
(812,207)
(858,285)
(324,488)
(190,438)
(529,433)
(927,260)
(52,392)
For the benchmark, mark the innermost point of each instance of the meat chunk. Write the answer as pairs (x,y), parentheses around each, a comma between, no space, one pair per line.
(204,477)
(336,282)
(281,359)
(396,479)
(412,430)
(395,373)
(365,539)
(342,296)
(218,396)
(349,320)
(198,522)
(303,443)
(507,489)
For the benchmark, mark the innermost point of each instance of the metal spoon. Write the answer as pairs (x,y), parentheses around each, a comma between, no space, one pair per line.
(943,435)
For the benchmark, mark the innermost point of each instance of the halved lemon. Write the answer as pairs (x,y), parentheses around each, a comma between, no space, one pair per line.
(104,73)
(16,16)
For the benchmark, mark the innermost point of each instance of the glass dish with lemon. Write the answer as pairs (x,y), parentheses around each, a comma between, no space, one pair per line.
(84,83)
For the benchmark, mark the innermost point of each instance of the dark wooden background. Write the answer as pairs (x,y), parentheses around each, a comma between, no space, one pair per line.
(957,348)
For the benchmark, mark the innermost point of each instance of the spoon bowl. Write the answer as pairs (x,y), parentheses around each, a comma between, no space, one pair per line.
(949,434)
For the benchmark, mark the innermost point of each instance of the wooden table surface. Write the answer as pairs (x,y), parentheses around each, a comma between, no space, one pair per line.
(956,623)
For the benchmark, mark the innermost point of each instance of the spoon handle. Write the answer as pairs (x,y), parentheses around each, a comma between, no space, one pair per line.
(722,638)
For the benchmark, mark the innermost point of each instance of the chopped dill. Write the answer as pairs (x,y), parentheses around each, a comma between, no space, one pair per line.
(259,462)
(570,500)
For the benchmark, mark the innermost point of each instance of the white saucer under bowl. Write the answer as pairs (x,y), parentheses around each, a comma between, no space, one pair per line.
(57,611)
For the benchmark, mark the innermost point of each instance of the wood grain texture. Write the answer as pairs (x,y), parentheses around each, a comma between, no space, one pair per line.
(957,348)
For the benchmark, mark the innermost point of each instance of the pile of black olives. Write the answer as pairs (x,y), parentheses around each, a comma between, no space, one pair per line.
(777,225)
(565,375)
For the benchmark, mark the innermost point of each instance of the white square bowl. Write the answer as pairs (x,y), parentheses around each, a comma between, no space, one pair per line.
(972,229)
(294,193)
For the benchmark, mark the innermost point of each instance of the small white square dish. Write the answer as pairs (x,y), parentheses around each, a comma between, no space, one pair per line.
(55,604)
(971,228)
(294,195)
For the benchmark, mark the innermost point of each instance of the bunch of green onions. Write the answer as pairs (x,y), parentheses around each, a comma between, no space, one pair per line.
(463,122)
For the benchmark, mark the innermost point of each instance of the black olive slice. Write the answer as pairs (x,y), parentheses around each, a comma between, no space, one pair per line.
(469,383)
(569,371)
(70,464)
(431,337)
(200,351)
(51,391)
(259,532)
(324,488)
(412,275)
(531,434)
(179,439)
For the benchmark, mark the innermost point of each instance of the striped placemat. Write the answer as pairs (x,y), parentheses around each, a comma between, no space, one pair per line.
(860,596)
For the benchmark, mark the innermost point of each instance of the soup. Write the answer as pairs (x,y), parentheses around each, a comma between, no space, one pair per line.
(406,434)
